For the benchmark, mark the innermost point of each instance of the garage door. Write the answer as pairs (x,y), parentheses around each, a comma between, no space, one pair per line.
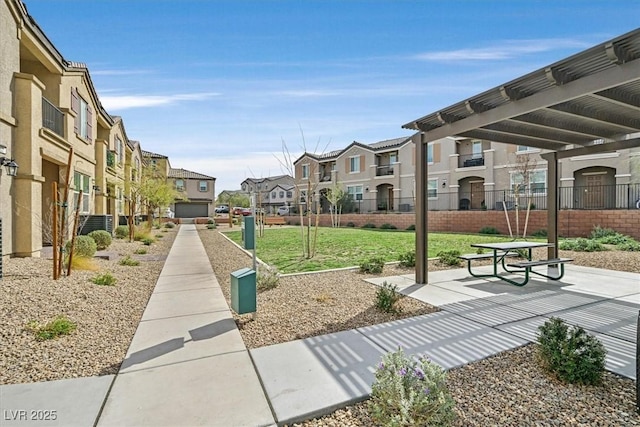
(191,210)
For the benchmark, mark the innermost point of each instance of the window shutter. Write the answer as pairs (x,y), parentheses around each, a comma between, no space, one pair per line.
(436,152)
(347,164)
(75,103)
(361,162)
(511,148)
(89,123)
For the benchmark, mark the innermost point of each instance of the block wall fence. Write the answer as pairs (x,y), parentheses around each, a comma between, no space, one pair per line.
(571,223)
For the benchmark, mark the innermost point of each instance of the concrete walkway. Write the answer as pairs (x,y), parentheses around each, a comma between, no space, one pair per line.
(187,364)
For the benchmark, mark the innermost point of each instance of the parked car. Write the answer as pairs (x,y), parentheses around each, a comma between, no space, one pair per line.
(222,209)
(237,210)
(247,211)
(283,210)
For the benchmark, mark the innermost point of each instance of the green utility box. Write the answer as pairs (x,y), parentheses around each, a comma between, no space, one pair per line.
(249,233)
(243,291)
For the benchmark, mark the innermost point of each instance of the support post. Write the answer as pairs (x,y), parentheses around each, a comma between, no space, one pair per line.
(421,210)
(552,203)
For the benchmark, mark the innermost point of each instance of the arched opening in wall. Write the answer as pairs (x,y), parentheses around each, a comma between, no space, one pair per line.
(471,194)
(51,173)
(595,188)
(384,197)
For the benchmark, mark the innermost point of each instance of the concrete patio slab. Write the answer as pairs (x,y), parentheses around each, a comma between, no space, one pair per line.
(544,301)
(314,376)
(447,339)
(180,339)
(633,299)
(436,295)
(486,312)
(71,402)
(221,390)
(183,303)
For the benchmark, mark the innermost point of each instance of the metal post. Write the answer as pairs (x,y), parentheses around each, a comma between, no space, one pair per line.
(638,364)
(421,176)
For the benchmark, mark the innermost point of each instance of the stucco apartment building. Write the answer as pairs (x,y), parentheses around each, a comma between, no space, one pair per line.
(54,127)
(467,174)
(271,192)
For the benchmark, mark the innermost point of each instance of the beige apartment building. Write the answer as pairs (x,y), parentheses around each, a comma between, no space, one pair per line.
(271,192)
(466,174)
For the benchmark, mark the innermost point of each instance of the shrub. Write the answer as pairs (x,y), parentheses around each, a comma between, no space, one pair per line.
(57,327)
(387,226)
(581,245)
(140,251)
(449,257)
(268,278)
(488,230)
(122,232)
(169,225)
(386,298)
(82,263)
(141,234)
(129,261)
(210,221)
(369,225)
(631,246)
(84,246)
(372,265)
(570,353)
(105,279)
(147,241)
(211,226)
(350,224)
(411,227)
(410,392)
(599,232)
(158,236)
(539,233)
(408,259)
(102,238)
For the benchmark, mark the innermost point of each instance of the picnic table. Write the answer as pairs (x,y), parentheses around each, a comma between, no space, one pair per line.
(501,251)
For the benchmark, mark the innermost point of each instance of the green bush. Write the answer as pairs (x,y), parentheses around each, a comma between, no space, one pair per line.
(369,225)
(607,236)
(630,246)
(169,225)
(539,233)
(449,257)
(372,265)
(84,246)
(129,261)
(211,226)
(411,227)
(102,238)
(268,278)
(147,241)
(105,279)
(409,392)
(122,232)
(581,245)
(599,232)
(387,226)
(351,224)
(211,221)
(140,251)
(386,298)
(408,259)
(570,353)
(488,230)
(57,327)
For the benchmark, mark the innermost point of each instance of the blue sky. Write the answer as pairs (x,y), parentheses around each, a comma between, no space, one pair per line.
(219,85)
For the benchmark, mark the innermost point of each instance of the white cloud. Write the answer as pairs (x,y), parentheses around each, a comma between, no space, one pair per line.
(505,50)
(123,102)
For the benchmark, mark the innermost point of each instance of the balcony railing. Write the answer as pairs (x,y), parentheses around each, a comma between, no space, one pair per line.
(384,170)
(470,160)
(111,159)
(52,117)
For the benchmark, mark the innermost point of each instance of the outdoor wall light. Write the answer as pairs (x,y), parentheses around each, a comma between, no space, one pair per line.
(10,164)
(96,188)
(444,184)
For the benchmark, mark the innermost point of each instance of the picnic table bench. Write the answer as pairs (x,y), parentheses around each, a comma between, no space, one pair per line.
(273,220)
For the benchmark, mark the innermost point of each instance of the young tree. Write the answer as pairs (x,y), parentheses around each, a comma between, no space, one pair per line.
(335,196)
(154,192)
(524,166)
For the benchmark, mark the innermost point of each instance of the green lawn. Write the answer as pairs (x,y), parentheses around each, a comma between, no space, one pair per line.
(347,247)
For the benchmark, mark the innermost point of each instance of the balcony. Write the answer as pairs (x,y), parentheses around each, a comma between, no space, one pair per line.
(52,118)
(111,159)
(470,160)
(384,170)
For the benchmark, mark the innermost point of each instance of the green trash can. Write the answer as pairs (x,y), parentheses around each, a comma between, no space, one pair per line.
(243,291)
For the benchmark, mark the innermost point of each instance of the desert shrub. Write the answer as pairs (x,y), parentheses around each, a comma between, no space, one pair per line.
(129,261)
(211,221)
(570,353)
(449,257)
(411,227)
(268,278)
(61,325)
(82,263)
(105,279)
(488,230)
(386,298)
(102,238)
(600,232)
(122,232)
(147,241)
(369,225)
(631,246)
(408,259)
(84,246)
(581,245)
(169,225)
(410,392)
(387,226)
(539,233)
(140,251)
(372,265)
(211,226)
(351,224)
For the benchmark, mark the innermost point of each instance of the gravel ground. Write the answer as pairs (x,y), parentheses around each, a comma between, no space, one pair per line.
(106,316)
(507,389)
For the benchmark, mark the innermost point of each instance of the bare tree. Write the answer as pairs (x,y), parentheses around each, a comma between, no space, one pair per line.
(335,196)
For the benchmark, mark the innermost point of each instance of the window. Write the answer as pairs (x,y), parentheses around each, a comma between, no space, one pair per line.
(393,158)
(244,187)
(476,149)
(81,182)
(355,191)
(83,121)
(289,194)
(273,194)
(303,196)
(203,186)
(354,164)
(432,188)
(119,201)
(537,182)
(281,195)
(180,184)
(305,171)
(430,153)
(524,148)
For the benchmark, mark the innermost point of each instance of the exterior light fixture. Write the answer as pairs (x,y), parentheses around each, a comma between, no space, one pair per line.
(10,164)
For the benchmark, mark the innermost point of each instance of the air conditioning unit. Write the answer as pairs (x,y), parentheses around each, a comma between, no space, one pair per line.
(89,223)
